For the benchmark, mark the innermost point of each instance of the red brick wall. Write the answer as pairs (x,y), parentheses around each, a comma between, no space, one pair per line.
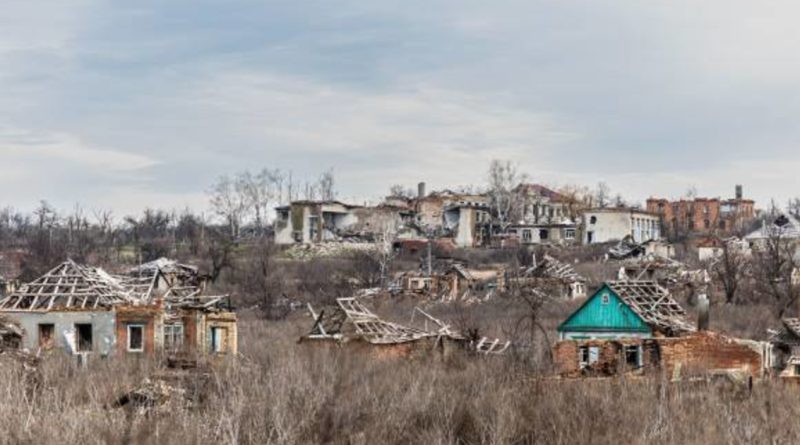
(145,316)
(706,351)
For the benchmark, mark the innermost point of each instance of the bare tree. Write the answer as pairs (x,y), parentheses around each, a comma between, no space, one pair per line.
(602,195)
(576,198)
(774,265)
(229,201)
(259,191)
(398,190)
(385,253)
(326,186)
(503,178)
(729,269)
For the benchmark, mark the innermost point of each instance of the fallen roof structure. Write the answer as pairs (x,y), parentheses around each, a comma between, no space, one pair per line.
(653,304)
(86,310)
(550,267)
(351,320)
(69,285)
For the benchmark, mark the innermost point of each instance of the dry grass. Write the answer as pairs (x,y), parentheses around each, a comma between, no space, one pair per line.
(286,393)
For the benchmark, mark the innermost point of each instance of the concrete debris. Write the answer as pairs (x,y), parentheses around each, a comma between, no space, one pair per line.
(329,249)
(626,248)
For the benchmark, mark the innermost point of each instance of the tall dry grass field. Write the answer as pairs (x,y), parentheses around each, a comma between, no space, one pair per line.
(282,392)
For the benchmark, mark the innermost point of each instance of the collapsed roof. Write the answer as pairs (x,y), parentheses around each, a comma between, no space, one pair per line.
(75,286)
(789,334)
(653,304)
(550,267)
(69,285)
(350,319)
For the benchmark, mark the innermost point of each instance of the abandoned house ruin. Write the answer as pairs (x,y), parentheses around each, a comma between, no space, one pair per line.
(559,278)
(157,308)
(351,323)
(637,327)
(615,224)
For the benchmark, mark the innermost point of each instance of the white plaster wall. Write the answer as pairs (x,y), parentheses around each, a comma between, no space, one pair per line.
(466,225)
(610,226)
(103,335)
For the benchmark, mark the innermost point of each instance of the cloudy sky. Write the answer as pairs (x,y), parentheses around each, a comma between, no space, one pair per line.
(133,104)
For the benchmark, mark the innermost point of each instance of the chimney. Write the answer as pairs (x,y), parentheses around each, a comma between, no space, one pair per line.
(702,312)
(421,190)
(739,192)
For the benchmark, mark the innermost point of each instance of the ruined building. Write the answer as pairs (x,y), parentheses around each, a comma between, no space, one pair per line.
(352,324)
(615,224)
(637,327)
(157,308)
(685,217)
(546,216)
(556,277)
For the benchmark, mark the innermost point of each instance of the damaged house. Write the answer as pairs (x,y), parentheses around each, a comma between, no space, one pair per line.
(351,323)
(637,327)
(546,217)
(786,352)
(454,282)
(551,274)
(468,223)
(90,313)
(305,222)
(615,224)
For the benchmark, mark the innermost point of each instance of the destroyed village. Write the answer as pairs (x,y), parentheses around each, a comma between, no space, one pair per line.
(372,222)
(465,315)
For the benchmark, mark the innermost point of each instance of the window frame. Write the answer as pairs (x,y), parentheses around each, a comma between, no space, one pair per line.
(51,341)
(173,332)
(129,327)
(78,341)
(216,347)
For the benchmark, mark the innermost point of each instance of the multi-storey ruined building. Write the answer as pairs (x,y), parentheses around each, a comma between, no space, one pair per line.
(615,224)
(686,217)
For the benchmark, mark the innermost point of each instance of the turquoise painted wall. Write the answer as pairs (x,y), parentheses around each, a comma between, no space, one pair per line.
(607,314)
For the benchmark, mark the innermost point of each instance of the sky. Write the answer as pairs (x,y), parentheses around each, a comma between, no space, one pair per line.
(127,105)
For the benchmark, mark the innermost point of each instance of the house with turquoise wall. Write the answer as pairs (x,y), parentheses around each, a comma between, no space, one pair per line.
(624,310)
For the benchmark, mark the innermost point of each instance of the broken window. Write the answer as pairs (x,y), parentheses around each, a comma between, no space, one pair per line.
(593,220)
(589,237)
(588,355)
(84,337)
(544,234)
(135,338)
(173,337)
(633,356)
(47,335)
(217,339)
(569,234)
(526,236)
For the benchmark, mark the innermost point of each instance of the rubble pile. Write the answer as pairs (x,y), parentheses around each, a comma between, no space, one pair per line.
(329,249)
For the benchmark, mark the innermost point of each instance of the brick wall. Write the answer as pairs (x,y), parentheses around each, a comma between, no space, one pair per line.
(708,351)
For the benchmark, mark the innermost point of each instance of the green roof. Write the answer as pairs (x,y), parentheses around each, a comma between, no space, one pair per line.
(604,311)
